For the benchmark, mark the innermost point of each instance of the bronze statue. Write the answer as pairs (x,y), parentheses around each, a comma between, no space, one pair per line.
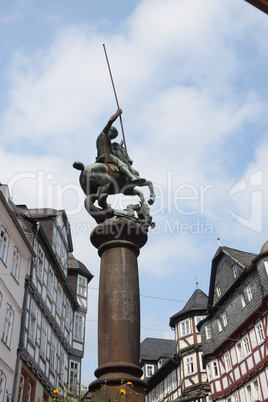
(112,173)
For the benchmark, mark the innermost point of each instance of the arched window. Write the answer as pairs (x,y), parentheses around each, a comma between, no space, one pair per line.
(8,325)
(4,238)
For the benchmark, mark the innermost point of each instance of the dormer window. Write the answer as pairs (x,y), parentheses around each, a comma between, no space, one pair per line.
(149,370)
(243,299)
(159,363)
(218,290)
(266,267)
(235,271)
(249,292)
(82,286)
(208,331)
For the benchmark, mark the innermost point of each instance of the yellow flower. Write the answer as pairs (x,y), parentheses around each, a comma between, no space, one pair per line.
(56,391)
(129,383)
(122,391)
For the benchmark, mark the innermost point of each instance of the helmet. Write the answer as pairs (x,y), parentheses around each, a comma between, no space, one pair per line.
(113,133)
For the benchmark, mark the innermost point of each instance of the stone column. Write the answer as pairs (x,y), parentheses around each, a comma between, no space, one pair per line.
(118,375)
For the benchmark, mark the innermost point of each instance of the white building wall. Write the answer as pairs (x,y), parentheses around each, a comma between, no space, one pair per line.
(11,296)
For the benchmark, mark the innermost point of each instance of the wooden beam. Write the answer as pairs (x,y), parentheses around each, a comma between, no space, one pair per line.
(261,4)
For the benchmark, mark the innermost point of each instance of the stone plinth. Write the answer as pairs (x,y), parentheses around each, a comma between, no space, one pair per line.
(118,375)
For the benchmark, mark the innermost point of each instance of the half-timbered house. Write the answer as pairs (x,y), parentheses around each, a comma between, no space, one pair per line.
(192,376)
(51,343)
(182,376)
(15,260)
(234,333)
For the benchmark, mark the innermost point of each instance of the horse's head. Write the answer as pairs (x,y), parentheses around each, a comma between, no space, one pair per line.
(120,151)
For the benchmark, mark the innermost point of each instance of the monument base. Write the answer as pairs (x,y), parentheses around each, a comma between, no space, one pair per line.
(118,382)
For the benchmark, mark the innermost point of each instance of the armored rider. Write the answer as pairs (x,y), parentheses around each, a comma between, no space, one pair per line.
(105,150)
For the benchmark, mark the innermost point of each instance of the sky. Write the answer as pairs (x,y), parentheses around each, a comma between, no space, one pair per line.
(191,79)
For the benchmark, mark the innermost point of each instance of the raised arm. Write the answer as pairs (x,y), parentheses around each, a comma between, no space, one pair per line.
(111,120)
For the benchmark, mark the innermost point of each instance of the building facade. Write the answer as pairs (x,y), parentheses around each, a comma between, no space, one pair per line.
(16,254)
(43,296)
(234,333)
(181,376)
(192,376)
(157,359)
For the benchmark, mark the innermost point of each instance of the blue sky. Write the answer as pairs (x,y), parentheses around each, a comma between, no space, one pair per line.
(191,78)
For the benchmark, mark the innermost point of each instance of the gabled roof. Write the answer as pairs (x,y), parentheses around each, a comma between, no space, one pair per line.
(152,349)
(196,304)
(242,258)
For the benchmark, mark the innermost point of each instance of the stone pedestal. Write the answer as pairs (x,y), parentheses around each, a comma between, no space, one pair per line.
(118,375)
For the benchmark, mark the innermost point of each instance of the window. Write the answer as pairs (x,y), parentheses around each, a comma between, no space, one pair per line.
(249,293)
(21,387)
(3,243)
(82,286)
(227,359)
(50,279)
(256,390)
(219,324)
(159,363)
(243,299)
(149,370)
(224,319)
(236,397)
(3,380)
(240,352)
(197,320)
(29,392)
(208,331)
(235,271)
(62,366)
(58,246)
(246,345)
(59,299)
(8,324)
(189,365)
(15,264)
(218,290)
(260,333)
(44,337)
(73,377)
(215,369)
(209,371)
(78,326)
(185,327)
(32,321)
(67,315)
(266,267)
(40,262)
(53,349)
(248,393)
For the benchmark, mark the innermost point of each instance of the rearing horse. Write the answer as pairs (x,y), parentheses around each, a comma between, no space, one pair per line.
(99,180)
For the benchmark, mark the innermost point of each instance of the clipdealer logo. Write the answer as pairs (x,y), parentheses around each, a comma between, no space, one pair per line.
(251,188)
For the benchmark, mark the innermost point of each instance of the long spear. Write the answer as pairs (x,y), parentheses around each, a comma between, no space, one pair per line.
(120,117)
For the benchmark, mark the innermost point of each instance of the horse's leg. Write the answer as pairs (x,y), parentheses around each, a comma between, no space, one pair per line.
(139,193)
(151,189)
(101,196)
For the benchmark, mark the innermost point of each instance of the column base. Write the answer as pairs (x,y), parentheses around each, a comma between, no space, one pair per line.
(118,382)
